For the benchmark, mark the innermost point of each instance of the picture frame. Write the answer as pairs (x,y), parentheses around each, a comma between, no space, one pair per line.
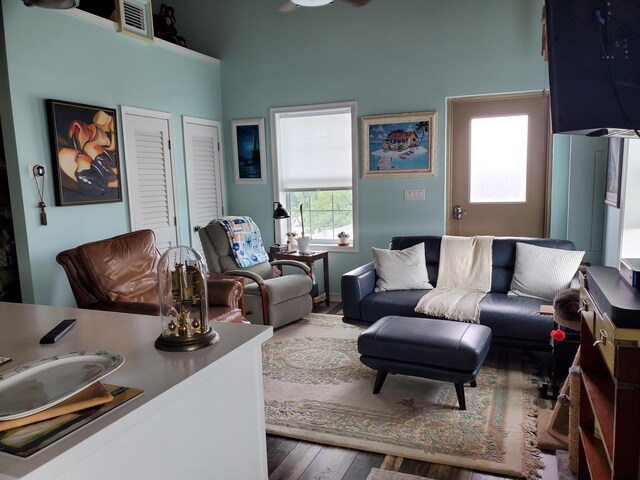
(135,18)
(84,153)
(399,145)
(249,152)
(615,160)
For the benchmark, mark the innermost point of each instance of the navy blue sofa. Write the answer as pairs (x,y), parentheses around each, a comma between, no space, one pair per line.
(514,321)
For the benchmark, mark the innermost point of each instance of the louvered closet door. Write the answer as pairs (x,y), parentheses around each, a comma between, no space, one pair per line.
(205,174)
(150,174)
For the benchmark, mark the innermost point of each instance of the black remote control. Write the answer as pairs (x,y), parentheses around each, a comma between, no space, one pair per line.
(58,331)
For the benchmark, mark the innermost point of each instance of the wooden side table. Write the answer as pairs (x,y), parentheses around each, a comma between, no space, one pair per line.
(308,260)
(215,275)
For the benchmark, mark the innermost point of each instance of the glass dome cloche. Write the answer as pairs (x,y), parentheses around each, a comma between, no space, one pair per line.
(184,309)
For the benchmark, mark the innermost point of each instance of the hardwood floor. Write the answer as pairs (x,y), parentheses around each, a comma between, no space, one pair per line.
(290,459)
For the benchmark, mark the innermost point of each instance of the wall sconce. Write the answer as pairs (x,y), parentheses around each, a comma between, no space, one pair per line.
(184,305)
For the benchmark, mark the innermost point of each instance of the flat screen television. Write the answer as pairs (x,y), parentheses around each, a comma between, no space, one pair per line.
(594,66)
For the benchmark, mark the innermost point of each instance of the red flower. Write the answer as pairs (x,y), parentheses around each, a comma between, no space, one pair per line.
(558,335)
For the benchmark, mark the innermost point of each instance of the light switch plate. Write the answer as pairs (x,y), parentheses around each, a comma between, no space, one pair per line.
(417,194)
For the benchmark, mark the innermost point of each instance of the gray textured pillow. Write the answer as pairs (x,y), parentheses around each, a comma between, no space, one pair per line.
(542,272)
(401,269)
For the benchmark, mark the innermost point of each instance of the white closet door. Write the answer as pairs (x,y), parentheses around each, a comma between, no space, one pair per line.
(150,174)
(205,174)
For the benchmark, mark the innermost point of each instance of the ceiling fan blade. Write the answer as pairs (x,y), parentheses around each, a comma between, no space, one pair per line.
(287,7)
(358,3)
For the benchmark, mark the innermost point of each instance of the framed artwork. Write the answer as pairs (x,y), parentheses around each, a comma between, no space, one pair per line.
(615,159)
(249,158)
(400,145)
(84,153)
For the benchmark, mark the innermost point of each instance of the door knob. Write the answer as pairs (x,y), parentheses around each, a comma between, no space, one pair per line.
(458,212)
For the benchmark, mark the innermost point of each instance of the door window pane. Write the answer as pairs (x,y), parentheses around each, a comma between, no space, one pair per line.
(498,159)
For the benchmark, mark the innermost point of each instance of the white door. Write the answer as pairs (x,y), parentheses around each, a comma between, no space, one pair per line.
(150,174)
(205,174)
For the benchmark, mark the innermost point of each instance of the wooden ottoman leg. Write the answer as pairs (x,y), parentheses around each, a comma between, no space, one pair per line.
(473,384)
(460,394)
(380,378)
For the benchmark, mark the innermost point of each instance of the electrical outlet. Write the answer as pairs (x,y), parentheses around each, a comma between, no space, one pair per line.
(414,194)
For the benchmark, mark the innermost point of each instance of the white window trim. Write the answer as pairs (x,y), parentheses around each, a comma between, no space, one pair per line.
(279,196)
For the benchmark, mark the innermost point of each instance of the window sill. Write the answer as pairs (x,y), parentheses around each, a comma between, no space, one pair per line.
(335,248)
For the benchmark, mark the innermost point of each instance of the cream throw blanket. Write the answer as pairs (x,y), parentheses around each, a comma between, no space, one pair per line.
(464,278)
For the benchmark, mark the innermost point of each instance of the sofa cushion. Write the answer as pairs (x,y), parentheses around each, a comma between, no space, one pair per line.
(542,272)
(514,317)
(401,269)
(398,302)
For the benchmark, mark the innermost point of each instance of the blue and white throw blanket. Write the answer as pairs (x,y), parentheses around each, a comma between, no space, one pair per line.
(245,240)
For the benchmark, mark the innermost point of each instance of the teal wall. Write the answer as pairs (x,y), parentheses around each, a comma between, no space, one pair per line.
(585,218)
(53,54)
(390,57)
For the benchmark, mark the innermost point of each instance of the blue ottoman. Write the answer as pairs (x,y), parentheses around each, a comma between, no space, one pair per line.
(425,347)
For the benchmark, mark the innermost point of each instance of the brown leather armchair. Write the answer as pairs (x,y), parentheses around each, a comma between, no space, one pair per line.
(118,274)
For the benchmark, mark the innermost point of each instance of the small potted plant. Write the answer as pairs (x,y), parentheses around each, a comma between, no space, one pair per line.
(343,239)
(303,241)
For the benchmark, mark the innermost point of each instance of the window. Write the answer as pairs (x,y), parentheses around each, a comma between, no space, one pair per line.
(498,161)
(314,164)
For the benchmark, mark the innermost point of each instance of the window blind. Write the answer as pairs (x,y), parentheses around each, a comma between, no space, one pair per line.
(315,150)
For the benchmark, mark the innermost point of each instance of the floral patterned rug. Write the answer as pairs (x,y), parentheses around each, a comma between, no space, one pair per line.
(317,390)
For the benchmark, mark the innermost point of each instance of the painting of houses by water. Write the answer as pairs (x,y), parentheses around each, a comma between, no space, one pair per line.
(399,145)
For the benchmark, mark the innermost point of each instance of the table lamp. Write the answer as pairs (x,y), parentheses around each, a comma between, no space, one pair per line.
(279,213)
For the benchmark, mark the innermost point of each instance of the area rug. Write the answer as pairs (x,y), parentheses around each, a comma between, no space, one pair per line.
(317,390)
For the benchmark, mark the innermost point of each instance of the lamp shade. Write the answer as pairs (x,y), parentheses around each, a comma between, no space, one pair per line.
(279,212)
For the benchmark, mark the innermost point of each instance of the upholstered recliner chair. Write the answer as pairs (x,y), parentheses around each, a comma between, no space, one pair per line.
(119,274)
(269,300)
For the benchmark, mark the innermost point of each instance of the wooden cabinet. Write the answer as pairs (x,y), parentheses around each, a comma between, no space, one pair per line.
(610,387)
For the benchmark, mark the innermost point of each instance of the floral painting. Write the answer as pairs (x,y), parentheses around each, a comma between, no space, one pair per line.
(399,145)
(84,152)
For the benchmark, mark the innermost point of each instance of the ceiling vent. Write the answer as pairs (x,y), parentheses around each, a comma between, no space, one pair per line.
(135,18)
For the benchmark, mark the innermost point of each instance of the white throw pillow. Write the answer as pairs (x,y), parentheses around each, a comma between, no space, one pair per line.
(542,272)
(401,269)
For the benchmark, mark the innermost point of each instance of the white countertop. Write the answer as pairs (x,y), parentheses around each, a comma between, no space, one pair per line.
(164,376)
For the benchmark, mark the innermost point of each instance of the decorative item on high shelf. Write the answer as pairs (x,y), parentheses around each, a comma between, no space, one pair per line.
(184,306)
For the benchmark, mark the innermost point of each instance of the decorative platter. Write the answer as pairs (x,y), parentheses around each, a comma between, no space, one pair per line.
(40,384)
